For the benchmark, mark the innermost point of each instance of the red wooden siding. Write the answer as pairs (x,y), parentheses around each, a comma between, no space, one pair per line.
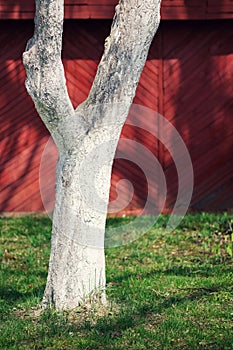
(223,8)
(197,84)
(22,134)
(104,9)
(187,78)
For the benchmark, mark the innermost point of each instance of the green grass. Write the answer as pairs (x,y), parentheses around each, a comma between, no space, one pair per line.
(165,291)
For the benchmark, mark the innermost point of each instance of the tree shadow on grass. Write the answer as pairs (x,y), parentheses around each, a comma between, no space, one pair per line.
(177,270)
(109,328)
(106,330)
(11,295)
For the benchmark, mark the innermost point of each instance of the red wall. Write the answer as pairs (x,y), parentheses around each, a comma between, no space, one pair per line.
(104,9)
(187,78)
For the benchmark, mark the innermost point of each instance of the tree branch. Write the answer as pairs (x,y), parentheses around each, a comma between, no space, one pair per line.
(134,26)
(42,59)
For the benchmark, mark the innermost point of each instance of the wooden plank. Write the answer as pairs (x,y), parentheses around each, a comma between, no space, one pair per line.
(220,9)
(104,9)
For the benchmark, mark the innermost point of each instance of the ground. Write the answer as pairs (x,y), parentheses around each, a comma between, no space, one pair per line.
(165,291)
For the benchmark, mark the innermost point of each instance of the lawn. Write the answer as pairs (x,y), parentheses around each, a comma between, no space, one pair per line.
(165,291)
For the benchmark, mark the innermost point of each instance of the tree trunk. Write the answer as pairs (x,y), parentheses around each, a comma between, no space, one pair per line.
(86,139)
(77,260)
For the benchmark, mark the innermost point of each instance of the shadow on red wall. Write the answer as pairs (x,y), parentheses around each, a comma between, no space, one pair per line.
(187,78)
(198,71)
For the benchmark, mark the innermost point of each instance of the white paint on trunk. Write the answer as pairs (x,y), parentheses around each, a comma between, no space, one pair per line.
(86,139)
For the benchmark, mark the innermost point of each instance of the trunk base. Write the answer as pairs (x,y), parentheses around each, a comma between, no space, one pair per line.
(76,276)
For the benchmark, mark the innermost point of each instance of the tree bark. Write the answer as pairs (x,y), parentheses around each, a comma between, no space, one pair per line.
(86,139)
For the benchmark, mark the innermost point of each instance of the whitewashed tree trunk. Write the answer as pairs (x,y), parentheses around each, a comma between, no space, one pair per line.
(86,139)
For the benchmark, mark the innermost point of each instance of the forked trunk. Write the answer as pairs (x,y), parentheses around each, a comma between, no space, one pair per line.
(86,138)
